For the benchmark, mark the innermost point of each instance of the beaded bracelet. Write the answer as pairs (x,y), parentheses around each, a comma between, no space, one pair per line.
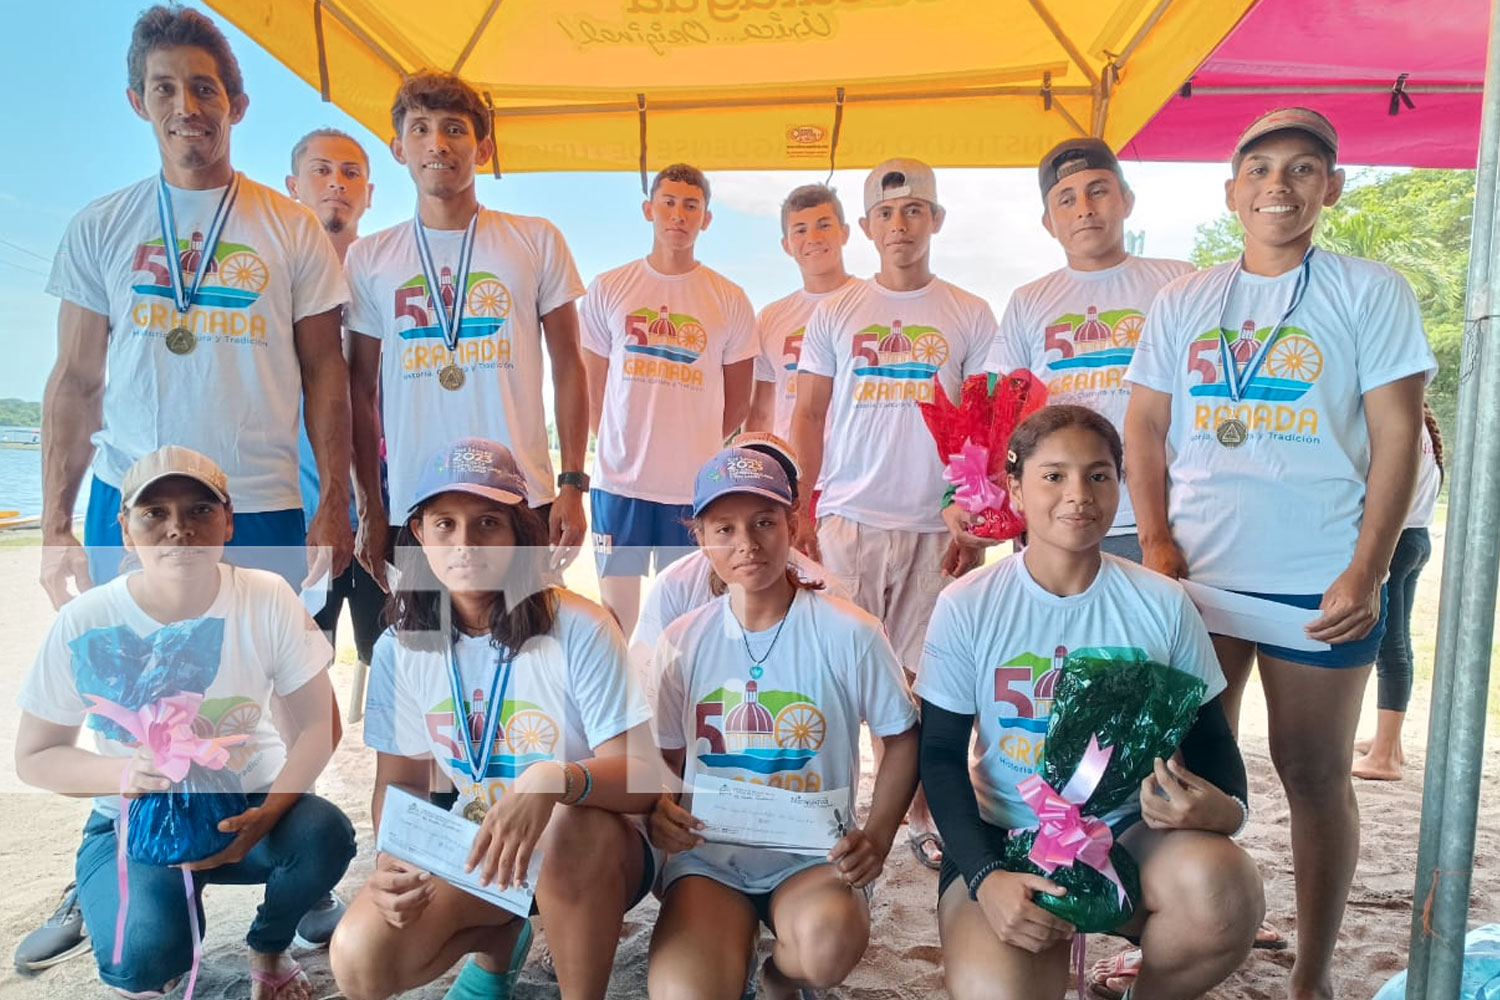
(588,782)
(567,780)
(981,875)
(1244,817)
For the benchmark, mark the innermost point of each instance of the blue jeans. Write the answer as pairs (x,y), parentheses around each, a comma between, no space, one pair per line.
(276,538)
(1393,662)
(299,862)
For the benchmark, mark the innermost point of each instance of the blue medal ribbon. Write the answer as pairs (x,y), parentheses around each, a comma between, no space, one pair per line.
(478,761)
(181,295)
(451,324)
(1236,380)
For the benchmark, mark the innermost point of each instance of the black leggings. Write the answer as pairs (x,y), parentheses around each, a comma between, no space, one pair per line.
(1393,662)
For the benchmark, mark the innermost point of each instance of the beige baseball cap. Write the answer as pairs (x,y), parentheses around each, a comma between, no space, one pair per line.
(1304,120)
(900,178)
(173,460)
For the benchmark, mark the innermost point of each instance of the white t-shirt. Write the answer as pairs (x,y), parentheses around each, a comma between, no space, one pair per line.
(569,692)
(683,586)
(667,338)
(235,397)
(255,640)
(791,722)
(520,271)
(882,349)
(779,328)
(997,644)
(1076,330)
(1280,513)
(1429,481)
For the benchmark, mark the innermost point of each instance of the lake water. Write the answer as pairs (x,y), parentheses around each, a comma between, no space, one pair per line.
(21,480)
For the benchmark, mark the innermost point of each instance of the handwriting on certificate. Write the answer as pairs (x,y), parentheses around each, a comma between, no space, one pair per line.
(738,812)
(436,841)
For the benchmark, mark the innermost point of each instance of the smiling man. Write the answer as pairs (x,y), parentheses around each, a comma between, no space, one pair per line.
(813,234)
(869,357)
(670,348)
(1076,328)
(198,308)
(455,308)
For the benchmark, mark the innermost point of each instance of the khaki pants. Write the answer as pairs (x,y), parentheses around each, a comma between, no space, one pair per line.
(894,575)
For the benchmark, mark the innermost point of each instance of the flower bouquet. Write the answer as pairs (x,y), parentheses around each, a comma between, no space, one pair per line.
(972,440)
(1114,713)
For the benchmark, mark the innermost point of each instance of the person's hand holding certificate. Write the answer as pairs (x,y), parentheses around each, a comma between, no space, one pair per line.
(426,837)
(738,812)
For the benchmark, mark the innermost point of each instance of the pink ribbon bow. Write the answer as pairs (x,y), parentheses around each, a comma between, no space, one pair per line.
(165,727)
(1063,834)
(969,470)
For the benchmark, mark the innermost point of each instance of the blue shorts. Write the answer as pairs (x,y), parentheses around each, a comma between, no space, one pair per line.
(628,532)
(276,539)
(1343,655)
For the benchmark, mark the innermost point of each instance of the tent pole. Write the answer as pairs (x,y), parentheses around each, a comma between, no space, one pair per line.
(1465,624)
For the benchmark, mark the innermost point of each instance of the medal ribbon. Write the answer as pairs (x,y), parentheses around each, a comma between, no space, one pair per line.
(479,762)
(1236,380)
(182,296)
(450,323)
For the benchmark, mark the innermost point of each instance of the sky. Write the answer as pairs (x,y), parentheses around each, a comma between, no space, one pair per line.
(73,138)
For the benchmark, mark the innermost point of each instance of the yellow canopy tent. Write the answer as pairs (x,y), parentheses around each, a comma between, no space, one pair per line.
(758,84)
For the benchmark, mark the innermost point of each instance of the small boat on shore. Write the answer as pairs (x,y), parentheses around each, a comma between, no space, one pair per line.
(27,439)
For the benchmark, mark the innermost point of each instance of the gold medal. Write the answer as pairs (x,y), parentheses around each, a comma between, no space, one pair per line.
(1232,432)
(451,377)
(475,811)
(181,340)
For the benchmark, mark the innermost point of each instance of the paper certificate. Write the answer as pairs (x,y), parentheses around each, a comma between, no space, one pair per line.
(1253,618)
(738,812)
(421,834)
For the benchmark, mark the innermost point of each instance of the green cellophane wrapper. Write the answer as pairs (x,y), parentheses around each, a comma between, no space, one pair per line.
(1143,710)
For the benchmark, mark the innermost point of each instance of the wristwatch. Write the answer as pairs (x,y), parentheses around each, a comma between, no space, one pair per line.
(577,480)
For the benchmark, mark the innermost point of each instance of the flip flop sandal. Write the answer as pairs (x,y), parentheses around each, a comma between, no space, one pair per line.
(276,983)
(918,841)
(1121,965)
(1277,942)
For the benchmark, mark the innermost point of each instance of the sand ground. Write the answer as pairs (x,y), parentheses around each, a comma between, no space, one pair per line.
(39,833)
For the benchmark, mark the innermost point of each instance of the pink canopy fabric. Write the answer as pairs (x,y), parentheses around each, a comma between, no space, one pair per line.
(1342,57)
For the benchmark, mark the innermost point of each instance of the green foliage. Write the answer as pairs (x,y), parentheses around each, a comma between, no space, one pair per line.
(1418,222)
(19,413)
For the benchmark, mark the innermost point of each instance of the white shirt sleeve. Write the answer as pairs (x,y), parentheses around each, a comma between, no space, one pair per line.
(49,691)
(1011,348)
(947,672)
(986,330)
(559,282)
(318,283)
(671,694)
(301,651)
(1156,353)
(740,342)
(599,681)
(884,699)
(1393,344)
(1193,651)
(77,275)
(765,366)
(818,350)
(364,312)
(593,320)
(385,704)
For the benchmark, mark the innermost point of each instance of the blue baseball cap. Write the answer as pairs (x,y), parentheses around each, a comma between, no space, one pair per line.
(471,465)
(740,470)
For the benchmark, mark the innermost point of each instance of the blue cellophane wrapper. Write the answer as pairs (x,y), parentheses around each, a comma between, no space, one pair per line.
(181,824)
(1143,710)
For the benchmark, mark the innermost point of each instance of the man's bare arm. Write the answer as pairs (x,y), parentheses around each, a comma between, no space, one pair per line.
(72,410)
